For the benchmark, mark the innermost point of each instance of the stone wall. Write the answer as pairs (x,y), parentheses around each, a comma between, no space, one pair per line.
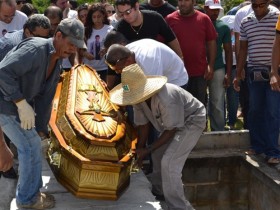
(216,183)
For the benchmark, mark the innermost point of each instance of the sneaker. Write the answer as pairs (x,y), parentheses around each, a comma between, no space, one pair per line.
(44,201)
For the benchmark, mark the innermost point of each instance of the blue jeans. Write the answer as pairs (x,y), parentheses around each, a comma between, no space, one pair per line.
(216,110)
(232,99)
(263,118)
(28,145)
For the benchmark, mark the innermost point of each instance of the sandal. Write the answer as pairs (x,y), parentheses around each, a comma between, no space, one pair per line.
(273,160)
(44,201)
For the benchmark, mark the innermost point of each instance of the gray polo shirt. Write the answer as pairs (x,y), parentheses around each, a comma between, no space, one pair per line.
(23,73)
(172,107)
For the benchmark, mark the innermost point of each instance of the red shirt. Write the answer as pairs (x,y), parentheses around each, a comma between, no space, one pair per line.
(193,32)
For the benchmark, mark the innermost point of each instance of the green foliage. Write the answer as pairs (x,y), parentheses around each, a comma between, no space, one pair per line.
(228,4)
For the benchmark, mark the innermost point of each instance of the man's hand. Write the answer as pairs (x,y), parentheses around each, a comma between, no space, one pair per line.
(226,81)
(6,156)
(209,73)
(275,82)
(141,154)
(236,84)
(26,115)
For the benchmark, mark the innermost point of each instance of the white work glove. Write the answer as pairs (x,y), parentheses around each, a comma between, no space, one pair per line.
(26,115)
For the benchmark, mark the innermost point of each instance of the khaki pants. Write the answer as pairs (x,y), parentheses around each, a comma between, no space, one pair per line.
(168,162)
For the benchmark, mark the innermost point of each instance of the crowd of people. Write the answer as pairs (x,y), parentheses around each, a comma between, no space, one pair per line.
(175,69)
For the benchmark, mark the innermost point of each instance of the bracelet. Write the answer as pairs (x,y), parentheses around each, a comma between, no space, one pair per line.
(149,148)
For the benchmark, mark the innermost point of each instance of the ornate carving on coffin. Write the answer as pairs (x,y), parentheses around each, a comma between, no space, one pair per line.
(91,143)
(89,122)
(88,108)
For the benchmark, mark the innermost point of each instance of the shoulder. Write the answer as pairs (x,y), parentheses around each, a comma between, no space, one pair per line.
(20,15)
(37,44)
(169,6)
(144,6)
(151,14)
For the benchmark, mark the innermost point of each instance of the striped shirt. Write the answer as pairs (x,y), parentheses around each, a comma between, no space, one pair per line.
(260,36)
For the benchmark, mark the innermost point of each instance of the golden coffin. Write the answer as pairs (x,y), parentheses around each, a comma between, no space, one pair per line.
(91,143)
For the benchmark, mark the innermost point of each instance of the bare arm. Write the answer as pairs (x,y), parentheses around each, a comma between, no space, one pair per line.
(165,137)
(237,42)
(228,60)
(175,46)
(274,78)
(211,56)
(111,81)
(241,61)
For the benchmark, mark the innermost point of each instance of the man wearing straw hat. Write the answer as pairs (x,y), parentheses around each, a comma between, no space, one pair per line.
(176,114)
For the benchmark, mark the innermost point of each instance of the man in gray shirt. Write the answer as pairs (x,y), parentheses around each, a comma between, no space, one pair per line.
(26,74)
(176,114)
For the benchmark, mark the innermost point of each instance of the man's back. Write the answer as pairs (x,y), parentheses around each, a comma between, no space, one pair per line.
(9,41)
(159,59)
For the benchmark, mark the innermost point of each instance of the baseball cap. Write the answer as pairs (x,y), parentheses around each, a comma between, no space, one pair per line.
(213,4)
(74,30)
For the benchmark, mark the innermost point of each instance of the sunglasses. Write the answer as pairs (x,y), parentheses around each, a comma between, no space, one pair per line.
(112,65)
(261,5)
(126,12)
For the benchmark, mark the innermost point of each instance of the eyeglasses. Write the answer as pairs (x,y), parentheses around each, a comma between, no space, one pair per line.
(126,12)
(110,11)
(261,5)
(112,65)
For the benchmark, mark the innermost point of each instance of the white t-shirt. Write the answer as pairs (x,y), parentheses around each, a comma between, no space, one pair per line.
(72,14)
(155,58)
(94,44)
(241,13)
(16,24)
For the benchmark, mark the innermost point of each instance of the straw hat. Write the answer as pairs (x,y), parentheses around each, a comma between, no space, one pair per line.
(135,87)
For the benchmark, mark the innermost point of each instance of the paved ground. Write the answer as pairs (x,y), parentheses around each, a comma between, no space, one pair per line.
(137,196)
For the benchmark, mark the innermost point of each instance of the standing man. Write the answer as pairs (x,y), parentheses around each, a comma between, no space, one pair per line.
(257,34)
(197,38)
(25,81)
(10,18)
(160,6)
(138,24)
(222,72)
(177,116)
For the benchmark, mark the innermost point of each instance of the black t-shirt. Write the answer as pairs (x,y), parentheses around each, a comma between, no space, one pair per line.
(164,10)
(153,27)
